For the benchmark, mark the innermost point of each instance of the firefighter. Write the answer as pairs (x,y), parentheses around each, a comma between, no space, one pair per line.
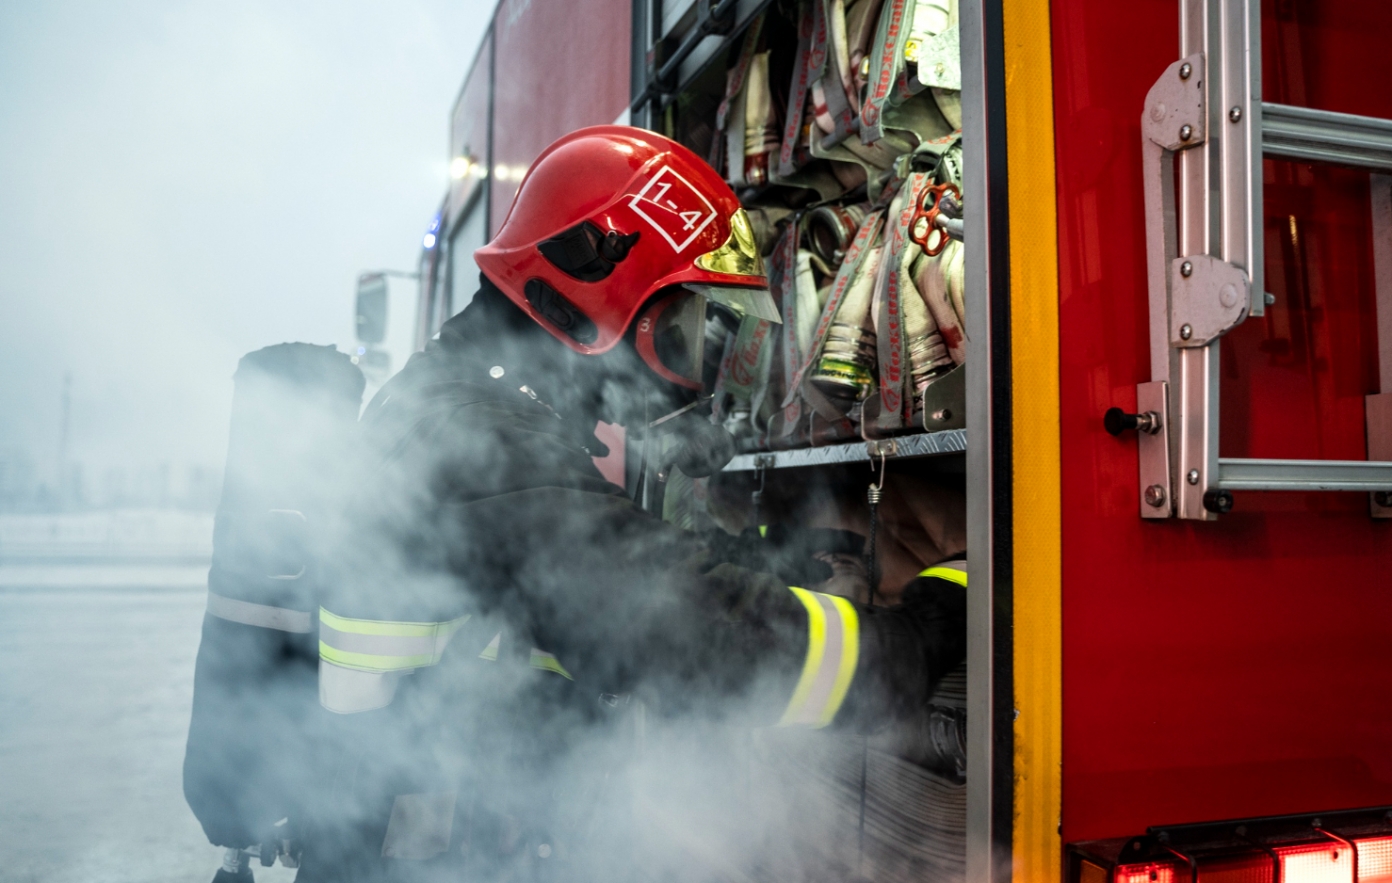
(495,595)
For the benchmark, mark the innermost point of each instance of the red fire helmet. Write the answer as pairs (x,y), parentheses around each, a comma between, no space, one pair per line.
(606,218)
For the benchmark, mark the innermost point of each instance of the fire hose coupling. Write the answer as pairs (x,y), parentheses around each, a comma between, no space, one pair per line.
(1117,421)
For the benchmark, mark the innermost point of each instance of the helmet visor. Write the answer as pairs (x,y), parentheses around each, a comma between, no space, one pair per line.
(757,302)
(671,333)
(671,336)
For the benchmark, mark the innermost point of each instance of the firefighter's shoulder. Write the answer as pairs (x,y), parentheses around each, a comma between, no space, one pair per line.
(953,570)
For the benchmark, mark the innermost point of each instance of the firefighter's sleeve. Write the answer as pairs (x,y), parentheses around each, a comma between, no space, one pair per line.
(624,602)
(627,602)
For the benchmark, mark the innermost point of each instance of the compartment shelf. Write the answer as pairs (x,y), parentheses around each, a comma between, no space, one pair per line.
(904,447)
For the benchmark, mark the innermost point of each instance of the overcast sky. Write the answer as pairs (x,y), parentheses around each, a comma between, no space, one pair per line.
(182,182)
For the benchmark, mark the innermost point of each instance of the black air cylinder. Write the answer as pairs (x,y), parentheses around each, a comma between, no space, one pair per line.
(248,763)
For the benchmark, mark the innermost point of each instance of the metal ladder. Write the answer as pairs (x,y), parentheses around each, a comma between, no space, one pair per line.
(1204,121)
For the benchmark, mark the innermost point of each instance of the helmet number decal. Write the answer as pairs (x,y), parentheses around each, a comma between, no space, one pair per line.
(673,207)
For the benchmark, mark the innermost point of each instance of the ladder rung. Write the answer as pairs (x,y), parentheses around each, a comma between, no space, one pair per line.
(1304,475)
(1325,136)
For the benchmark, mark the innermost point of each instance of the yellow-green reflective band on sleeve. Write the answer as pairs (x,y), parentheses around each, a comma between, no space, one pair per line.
(548,662)
(490,653)
(381,645)
(949,573)
(833,647)
(538,659)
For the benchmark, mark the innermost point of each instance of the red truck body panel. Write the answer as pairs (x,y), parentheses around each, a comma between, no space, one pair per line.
(469,130)
(1240,667)
(560,67)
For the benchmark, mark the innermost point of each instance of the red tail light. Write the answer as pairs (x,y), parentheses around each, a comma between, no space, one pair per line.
(1150,872)
(1374,859)
(1345,847)
(1317,863)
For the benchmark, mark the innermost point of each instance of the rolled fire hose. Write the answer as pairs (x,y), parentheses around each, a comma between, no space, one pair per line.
(830,229)
(844,372)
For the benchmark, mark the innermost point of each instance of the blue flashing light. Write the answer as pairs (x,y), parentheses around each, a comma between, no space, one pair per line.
(430,233)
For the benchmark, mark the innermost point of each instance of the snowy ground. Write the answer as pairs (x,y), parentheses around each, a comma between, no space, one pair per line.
(96,677)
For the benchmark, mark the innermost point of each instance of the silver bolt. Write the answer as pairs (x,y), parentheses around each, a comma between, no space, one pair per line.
(1186,132)
(1235,115)
(1155,496)
(1185,70)
(495,372)
(1193,476)
(1186,269)
(1269,298)
(1186,331)
(544,850)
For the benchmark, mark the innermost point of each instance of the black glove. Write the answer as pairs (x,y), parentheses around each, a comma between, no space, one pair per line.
(905,652)
(785,552)
(703,448)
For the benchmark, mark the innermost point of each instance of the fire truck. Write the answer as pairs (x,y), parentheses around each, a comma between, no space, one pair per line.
(1165,417)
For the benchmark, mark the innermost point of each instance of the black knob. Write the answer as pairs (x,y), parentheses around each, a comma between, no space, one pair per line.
(1117,421)
(1218,502)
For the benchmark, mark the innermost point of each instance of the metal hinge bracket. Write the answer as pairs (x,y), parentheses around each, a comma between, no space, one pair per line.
(1175,115)
(1208,298)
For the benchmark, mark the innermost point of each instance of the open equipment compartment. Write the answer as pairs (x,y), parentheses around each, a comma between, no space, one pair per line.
(839,125)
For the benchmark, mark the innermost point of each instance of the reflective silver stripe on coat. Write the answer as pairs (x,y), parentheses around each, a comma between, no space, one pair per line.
(395,646)
(350,690)
(263,615)
(383,645)
(833,648)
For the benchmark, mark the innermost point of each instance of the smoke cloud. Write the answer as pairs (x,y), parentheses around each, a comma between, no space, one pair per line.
(185,183)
